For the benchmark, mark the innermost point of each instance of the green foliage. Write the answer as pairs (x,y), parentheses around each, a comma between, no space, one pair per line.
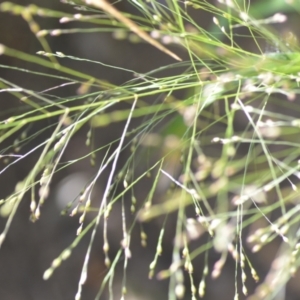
(228,146)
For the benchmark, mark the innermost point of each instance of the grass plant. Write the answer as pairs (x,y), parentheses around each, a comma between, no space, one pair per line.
(228,146)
